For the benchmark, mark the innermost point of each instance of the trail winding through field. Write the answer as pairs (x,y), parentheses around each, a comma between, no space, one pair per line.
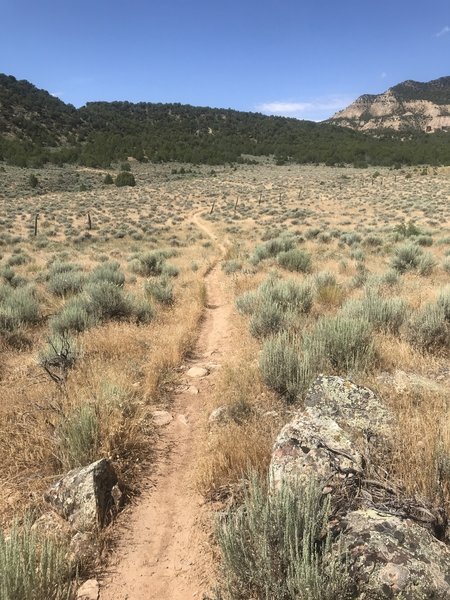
(162,552)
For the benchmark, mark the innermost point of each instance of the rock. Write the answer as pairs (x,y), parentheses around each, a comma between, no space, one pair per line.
(83,497)
(83,549)
(351,406)
(218,416)
(90,590)
(183,420)
(161,417)
(309,447)
(192,390)
(403,382)
(197,372)
(51,525)
(389,556)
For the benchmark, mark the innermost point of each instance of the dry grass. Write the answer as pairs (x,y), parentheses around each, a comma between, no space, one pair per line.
(243,443)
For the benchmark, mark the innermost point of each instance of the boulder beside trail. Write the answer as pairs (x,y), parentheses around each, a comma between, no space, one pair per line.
(311,446)
(391,557)
(84,496)
(391,542)
(352,406)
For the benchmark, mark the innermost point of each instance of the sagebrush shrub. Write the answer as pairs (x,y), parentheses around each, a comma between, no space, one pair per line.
(384,314)
(429,328)
(286,367)
(161,289)
(18,307)
(272,247)
(76,316)
(64,283)
(106,300)
(275,546)
(110,272)
(33,567)
(77,437)
(345,342)
(295,260)
(406,257)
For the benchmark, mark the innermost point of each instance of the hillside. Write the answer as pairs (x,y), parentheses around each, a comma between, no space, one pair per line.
(36,128)
(408,106)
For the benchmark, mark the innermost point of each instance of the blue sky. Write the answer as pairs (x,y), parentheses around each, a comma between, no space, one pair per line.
(287,57)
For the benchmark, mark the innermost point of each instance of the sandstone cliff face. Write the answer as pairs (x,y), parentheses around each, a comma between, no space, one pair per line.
(410,105)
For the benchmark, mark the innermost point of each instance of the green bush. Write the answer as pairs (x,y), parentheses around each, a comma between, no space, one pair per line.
(74,317)
(78,437)
(274,304)
(276,546)
(150,264)
(406,257)
(267,319)
(107,300)
(33,181)
(125,179)
(33,567)
(429,328)
(345,342)
(161,289)
(64,283)
(295,260)
(384,314)
(286,367)
(108,180)
(110,272)
(426,264)
(407,230)
(288,294)
(231,266)
(18,307)
(444,302)
(141,310)
(272,247)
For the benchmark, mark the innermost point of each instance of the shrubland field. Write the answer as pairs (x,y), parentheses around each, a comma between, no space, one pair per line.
(327,270)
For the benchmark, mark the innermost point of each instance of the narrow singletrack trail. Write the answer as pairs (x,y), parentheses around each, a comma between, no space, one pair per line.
(161,551)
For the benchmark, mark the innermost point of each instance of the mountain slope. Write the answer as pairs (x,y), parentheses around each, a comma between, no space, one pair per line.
(36,128)
(30,114)
(410,105)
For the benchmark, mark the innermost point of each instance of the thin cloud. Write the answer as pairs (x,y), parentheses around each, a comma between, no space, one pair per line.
(383,75)
(315,109)
(443,31)
(57,94)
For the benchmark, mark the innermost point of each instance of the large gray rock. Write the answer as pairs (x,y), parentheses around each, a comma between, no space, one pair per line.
(83,497)
(351,406)
(311,446)
(390,557)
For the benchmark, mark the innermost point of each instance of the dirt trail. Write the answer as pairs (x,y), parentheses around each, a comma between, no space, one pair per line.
(162,554)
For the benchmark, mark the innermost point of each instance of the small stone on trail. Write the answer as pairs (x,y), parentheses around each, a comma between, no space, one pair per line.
(161,417)
(192,390)
(182,419)
(197,372)
(218,416)
(90,590)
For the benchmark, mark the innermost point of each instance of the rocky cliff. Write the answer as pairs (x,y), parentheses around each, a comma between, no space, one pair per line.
(411,105)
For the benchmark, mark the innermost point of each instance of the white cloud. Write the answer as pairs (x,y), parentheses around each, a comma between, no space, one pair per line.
(383,75)
(316,109)
(57,94)
(443,31)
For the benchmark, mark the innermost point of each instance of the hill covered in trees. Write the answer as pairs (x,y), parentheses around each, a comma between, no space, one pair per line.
(36,128)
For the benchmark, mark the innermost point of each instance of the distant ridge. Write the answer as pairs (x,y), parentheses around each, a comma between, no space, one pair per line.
(408,106)
(37,128)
